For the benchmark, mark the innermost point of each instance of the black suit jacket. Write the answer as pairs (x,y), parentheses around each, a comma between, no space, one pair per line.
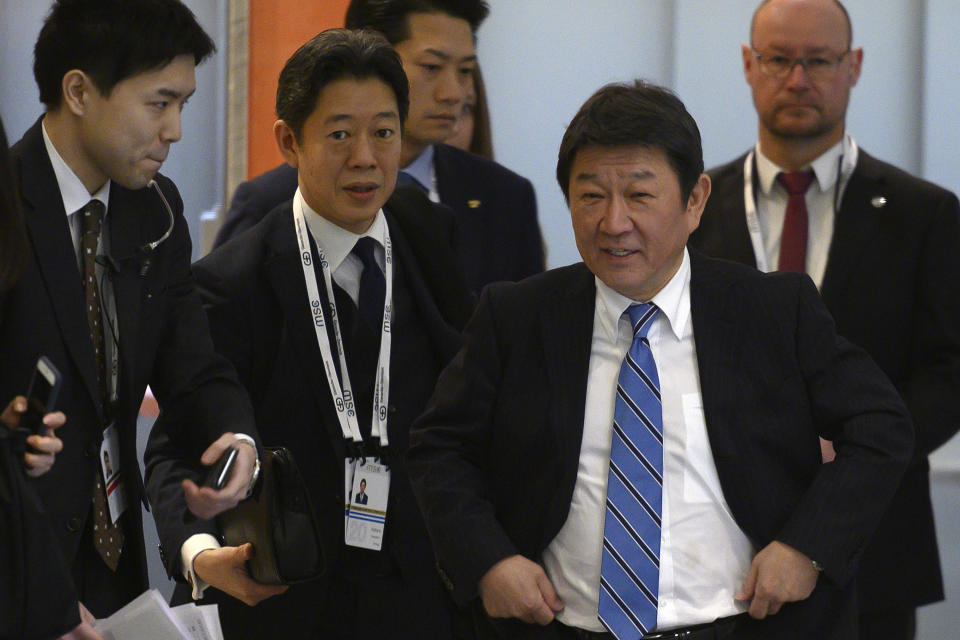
(259,315)
(508,413)
(163,341)
(891,286)
(498,237)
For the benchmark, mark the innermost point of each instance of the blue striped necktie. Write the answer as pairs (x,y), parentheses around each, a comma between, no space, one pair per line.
(630,568)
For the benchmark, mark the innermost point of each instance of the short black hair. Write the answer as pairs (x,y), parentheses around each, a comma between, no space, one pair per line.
(389,17)
(843,10)
(332,55)
(112,40)
(643,114)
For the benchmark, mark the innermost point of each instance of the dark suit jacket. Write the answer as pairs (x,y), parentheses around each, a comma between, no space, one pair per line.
(259,316)
(508,413)
(163,336)
(498,237)
(891,286)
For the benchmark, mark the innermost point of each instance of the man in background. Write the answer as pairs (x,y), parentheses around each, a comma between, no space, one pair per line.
(498,237)
(882,246)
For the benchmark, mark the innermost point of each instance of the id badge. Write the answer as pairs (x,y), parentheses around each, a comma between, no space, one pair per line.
(367,511)
(112,474)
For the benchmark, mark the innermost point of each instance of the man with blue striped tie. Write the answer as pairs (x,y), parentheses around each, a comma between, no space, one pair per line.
(664,409)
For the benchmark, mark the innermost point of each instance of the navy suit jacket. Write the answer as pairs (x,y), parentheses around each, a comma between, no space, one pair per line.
(508,412)
(498,237)
(163,342)
(891,286)
(256,301)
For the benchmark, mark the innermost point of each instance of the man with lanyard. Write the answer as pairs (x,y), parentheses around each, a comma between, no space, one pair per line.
(339,314)
(882,246)
(498,237)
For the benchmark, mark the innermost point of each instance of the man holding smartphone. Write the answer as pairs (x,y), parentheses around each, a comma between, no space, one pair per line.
(106,293)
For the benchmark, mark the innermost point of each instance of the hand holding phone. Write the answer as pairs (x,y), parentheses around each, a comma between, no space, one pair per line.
(41,396)
(219,474)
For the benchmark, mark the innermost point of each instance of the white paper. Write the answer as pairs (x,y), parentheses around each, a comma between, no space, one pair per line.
(149,616)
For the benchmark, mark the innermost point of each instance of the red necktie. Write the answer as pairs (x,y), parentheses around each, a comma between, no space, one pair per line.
(793,239)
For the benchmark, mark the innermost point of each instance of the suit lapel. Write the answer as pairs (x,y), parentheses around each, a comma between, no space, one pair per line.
(285,273)
(854,228)
(719,342)
(566,328)
(50,237)
(735,232)
(125,222)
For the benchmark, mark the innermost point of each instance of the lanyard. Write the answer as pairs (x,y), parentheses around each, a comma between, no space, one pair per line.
(343,398)
(845,167)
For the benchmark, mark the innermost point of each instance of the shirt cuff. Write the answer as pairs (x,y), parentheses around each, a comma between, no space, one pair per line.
(188,552)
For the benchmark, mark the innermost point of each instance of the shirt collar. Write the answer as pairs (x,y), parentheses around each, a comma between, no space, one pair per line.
(824,168)
(422,167)
(337,242)
(74,194)
(673,301)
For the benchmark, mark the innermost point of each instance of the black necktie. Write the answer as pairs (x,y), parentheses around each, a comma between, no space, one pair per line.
(372,283)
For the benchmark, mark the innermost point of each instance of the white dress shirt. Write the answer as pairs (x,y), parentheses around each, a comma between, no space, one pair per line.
(704,555)
(825,191)
(346,269)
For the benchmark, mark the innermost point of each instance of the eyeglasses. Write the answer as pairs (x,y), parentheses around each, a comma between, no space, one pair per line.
(816,67)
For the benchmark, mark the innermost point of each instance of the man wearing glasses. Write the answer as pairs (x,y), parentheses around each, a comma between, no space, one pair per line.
(882,246)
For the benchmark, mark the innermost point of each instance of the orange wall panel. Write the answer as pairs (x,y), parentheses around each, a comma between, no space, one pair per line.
(277,29)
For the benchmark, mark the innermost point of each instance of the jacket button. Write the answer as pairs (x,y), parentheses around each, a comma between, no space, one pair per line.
(73,525)
(91,450)
(393,408)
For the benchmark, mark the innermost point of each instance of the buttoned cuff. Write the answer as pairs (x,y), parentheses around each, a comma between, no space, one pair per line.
(191,548)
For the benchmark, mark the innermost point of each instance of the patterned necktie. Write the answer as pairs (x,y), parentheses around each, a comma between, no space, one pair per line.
(630,566)
(793,239)
(406,178)
(107,536)
(372,284)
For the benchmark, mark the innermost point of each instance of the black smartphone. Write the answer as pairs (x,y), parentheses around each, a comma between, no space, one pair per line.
(41,395)
(219,474)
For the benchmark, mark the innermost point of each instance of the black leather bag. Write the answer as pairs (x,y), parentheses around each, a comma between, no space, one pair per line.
(278,519)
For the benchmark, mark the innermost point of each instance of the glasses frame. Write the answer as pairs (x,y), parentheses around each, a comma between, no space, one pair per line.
(812,72)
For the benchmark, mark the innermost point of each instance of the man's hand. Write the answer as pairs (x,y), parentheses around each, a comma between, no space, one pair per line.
(226,569)
(518,588)
(46,446)
(85,630)
(778,574)
(205,502)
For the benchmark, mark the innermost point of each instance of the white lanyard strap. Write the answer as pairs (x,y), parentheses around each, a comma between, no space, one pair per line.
(343,398)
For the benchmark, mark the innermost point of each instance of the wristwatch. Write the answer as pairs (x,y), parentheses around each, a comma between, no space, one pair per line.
(242,437)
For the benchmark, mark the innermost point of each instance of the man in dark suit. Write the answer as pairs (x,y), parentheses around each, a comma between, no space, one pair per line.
(498,237)
(342,100)
(114,310)
(884,249)
(666,408)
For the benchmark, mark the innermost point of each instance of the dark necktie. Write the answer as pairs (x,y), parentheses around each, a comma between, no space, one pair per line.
(793,239)
(107,536)
(630,560)
(405,178)
(372,284)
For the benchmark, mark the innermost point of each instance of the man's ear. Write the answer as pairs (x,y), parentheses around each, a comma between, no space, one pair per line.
(287,143)
(75,87)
